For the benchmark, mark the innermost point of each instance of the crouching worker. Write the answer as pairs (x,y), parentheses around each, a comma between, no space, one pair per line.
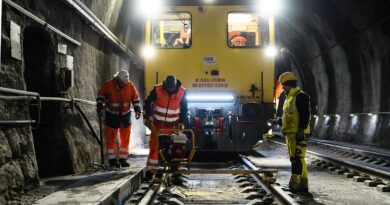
(295,124)
(165,108)
(118,94)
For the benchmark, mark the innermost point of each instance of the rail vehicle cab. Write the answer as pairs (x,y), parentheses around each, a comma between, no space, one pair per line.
(221,55)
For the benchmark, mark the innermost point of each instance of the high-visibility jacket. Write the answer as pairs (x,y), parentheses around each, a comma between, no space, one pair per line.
(167,107)
(118,101)
(290,117)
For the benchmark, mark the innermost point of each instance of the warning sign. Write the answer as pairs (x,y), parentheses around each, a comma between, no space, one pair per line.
(210,83)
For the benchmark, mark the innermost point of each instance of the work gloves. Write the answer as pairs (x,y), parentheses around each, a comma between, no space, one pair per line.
(100,109)
(274,121)
(300,134)
(137,115)
(148,121)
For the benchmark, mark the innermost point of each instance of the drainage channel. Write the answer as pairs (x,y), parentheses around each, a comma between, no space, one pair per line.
(228,183)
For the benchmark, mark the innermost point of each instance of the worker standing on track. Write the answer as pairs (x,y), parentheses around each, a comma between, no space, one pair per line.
(168,112)
(118,94)
(295,123)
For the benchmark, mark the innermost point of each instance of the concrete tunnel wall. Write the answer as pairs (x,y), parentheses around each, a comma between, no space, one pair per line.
(341,53)
(62,144)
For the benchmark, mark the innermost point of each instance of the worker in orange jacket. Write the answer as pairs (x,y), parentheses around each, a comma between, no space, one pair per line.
(168,112)
(238,41)
(118,94)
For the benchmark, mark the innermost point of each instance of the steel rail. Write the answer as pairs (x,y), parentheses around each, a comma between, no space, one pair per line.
(362,168)
(350,149)
(150,195)
(270,188)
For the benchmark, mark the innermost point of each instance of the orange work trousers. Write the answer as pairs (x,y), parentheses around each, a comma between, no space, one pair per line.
(111,136)
(157,128)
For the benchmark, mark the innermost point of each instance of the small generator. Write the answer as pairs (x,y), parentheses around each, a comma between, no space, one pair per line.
(176,148)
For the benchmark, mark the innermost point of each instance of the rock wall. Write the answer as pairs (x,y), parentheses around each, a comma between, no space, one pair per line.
(62,143)
(340,50)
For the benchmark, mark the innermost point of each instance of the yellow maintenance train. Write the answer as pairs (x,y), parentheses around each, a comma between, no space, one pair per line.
(220,53)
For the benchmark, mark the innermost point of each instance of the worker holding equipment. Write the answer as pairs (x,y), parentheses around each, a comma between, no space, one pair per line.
(166,108)
(118,94)
(295,123)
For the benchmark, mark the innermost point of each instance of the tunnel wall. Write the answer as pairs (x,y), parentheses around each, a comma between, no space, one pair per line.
(341,52)
(62,144)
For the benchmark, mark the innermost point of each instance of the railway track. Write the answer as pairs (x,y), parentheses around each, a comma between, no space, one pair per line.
(228,183)
(370,167)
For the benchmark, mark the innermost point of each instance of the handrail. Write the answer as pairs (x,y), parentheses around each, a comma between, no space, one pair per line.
(49,99)
(26,94)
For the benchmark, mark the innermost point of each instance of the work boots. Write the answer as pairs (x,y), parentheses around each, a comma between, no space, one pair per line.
(303,185)
(294,184)
(114,163)
(124,162)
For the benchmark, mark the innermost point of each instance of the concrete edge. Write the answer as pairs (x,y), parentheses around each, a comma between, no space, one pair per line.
(124,190)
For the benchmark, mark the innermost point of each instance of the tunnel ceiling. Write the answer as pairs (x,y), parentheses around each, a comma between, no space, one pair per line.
(341,50)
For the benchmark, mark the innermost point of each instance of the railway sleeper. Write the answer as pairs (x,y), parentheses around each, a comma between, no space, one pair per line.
(383,187)
(351,174)
(361,178)
(373,182)
(254,195)
(255,202)
(250,189)
(175,201)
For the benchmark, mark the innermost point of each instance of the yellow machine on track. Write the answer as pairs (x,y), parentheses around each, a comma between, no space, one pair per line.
(221,54)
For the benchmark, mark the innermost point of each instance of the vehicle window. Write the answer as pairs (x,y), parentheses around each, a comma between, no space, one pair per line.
(172,30)
(246,30)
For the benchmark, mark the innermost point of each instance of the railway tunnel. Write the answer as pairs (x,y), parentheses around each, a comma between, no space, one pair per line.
(55,55)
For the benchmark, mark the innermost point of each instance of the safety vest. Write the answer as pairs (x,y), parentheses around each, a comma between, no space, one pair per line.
(290,117)
(167,107)
(118,99)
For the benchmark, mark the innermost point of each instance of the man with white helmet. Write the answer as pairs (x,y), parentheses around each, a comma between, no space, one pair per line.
(117,95)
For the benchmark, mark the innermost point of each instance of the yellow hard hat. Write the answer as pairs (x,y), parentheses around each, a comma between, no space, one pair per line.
(284,77)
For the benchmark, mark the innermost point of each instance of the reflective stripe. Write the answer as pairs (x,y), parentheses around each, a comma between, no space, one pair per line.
(136,104)
(119,104)
(152,161)
(163,110)
(167,119)
(110,151)
(123,155)
(123,150)
(115,112)
(111,155)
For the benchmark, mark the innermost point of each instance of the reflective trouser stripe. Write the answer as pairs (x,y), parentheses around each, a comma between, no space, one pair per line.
(111,153)
(111,136)
(123,153)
